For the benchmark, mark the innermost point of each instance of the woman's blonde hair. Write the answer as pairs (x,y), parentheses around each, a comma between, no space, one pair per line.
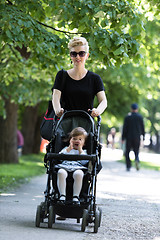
(78,41)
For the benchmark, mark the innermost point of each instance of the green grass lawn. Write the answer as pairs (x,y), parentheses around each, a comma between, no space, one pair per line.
(147,165)
(12,175)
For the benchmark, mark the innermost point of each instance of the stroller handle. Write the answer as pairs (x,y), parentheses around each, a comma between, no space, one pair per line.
(99,118)
(70,157)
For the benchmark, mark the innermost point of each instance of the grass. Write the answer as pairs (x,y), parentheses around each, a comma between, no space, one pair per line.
(12,175)
(146,165)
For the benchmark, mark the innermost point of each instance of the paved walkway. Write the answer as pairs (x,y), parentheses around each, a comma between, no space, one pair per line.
(130,203)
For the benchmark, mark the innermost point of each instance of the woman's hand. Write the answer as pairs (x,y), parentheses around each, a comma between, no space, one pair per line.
(94,112)
(56,103)
(59,112)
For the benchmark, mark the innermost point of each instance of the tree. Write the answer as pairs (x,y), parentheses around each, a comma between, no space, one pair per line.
(33,43)
(151,51)
(141,79)
(8,145)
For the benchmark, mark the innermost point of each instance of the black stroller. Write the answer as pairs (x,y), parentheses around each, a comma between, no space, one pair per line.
(87,210)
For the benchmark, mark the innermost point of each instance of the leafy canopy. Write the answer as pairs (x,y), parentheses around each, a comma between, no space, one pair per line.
(34,36)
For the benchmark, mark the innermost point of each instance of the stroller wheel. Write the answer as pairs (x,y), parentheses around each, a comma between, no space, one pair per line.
(51,216)
(38,216)
(100,215)
(96,221)
(84,220)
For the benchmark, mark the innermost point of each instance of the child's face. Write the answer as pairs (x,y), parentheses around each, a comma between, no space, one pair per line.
(77,142)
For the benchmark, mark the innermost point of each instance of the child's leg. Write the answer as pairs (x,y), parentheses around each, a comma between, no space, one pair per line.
(78,180)
(61,182)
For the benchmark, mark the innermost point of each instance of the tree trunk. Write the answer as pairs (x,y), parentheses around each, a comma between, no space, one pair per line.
(2,140)
(151,143)
(157,142)
(37,137)
(8,135)
(30,130)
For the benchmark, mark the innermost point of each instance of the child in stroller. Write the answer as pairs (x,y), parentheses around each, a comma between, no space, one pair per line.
(77,140)
(86,207)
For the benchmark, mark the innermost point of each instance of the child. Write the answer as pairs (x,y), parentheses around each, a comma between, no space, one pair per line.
(77,140)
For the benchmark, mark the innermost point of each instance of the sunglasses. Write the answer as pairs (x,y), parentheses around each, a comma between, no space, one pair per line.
(81,54)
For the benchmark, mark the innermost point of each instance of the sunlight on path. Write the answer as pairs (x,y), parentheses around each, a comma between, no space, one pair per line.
(117,154)
(111,154)
(120,184)
(150,157)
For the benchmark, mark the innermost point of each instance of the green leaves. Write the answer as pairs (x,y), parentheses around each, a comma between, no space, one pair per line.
(119,51)
(107,42)
(9,35)
(31,53)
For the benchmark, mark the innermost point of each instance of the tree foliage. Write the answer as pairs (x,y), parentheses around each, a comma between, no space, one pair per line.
(34,36)
(33,46)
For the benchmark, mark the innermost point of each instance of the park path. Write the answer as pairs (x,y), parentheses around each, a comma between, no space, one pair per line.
(130,204)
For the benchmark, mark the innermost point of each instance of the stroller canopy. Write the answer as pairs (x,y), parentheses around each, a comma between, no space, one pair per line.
(73,119)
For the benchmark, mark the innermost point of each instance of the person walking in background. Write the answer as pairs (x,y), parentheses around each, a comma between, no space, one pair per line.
(111,138)
(133,128)
(20,142)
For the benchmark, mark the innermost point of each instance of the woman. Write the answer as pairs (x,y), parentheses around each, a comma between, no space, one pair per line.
(81,85)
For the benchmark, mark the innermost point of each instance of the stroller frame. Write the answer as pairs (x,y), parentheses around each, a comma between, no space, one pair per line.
(87,210)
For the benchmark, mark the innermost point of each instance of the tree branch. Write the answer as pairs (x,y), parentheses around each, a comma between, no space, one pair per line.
(58,30)
(45,25)
(9,2)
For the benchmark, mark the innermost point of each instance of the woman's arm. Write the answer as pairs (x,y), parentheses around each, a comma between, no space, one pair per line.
(56,102)
(102,104)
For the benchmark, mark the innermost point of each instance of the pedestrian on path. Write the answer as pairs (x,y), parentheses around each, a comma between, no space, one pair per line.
(20,142)
(133,128)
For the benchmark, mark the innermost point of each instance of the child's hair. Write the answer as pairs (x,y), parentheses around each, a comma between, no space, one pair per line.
(78,41)
(77,132)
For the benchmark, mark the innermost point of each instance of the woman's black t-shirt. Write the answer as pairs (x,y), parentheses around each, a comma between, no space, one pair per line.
(78,94)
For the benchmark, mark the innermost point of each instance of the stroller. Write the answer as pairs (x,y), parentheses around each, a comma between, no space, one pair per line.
(87,210)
